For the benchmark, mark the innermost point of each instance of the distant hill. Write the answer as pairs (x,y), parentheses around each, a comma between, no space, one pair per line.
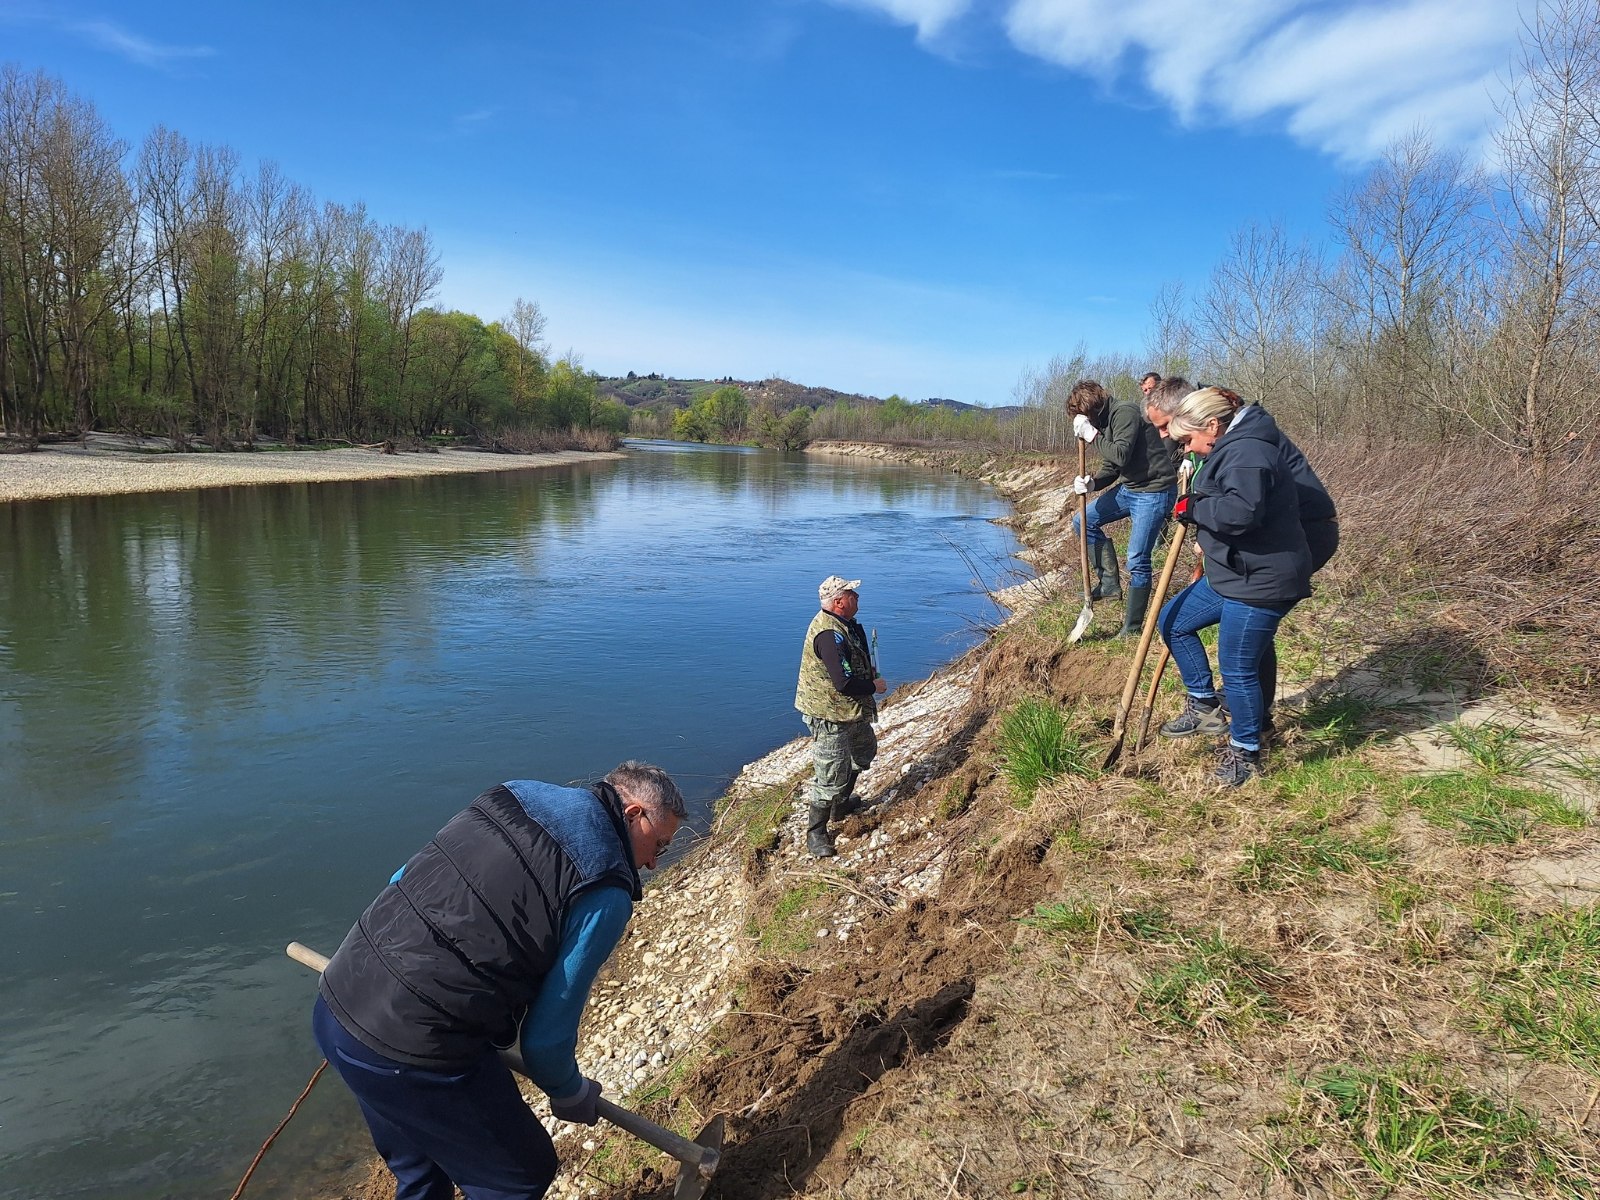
(660,393)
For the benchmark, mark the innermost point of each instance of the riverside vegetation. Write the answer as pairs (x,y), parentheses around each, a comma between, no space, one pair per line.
(1375,972)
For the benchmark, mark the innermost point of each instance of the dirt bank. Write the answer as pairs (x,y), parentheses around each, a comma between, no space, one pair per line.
(105,464)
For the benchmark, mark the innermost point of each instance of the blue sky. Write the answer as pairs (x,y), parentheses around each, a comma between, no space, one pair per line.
(915,196)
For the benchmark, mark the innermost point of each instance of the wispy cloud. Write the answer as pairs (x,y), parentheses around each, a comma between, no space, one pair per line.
(929,17)
(468,121)
(117,40)
(1345,77)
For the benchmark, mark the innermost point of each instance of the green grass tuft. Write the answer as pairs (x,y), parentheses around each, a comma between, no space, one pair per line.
(1064,919)
(1480,810)
(1217,989)
(1418,1128)
(788,929)
(1036,746)
(1291,856)
(1542,996)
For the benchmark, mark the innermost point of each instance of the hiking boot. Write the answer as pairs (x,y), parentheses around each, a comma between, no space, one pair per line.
(1133,616)
(1198,716)
(1104,557)
(819,842)
(1237,767)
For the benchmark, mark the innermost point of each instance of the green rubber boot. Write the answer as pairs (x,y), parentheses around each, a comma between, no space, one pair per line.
(1138,604)
(1109,586)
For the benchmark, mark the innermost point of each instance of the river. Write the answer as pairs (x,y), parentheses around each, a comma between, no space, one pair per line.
(227,715)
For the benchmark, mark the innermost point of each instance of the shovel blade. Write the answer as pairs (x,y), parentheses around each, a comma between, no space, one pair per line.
(1082,626)
(695,1178)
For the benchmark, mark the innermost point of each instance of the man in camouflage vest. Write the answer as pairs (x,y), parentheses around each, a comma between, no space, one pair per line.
(837,698)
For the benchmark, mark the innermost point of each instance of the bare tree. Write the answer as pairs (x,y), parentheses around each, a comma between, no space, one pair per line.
(1538,379)
(526,325)
(1253,312)
(1405,229)
(1170,343)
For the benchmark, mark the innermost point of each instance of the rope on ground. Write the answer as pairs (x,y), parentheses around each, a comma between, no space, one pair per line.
(289,1116)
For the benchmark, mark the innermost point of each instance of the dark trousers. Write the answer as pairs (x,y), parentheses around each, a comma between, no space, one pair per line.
(469,1127)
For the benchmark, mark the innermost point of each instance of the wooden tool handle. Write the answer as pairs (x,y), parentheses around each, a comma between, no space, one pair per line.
(1083,520)
(1131,688)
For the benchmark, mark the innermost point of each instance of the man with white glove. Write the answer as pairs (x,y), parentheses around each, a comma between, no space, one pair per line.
(491,935)
(1142,466)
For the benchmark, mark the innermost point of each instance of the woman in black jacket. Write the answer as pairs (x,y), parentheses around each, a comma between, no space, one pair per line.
(1244,507)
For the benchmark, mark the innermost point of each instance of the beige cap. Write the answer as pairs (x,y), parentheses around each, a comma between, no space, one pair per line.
(835,585)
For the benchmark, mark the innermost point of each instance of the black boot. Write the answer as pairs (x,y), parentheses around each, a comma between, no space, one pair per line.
(1109,586)
(819,842)
(1138,603)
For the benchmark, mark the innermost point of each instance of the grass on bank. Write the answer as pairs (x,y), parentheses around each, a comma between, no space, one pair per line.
(1541,992)
(1419,1126)
(1036,745)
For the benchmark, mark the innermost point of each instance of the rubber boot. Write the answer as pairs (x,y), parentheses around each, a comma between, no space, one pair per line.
(1138,603)
(1109,586)
(851,803)
(819,842)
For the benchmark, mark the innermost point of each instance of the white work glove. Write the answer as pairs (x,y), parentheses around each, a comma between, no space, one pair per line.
(581,1109)
(1082,485)
(1083,428)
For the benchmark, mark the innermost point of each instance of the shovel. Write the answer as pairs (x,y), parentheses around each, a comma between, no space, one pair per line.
(700,1158)
(1087,614)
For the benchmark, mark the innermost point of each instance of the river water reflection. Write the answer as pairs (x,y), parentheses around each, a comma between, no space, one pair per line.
(226,716)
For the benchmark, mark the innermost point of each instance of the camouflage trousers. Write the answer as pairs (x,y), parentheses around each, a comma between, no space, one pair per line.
(840,751)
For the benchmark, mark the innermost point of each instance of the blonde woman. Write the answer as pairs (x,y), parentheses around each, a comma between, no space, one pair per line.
(1244,508)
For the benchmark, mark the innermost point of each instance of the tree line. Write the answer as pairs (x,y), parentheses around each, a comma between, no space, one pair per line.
(1450,300)
(166,289)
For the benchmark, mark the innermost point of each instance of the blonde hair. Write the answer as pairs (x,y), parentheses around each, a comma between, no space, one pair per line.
(1198,409)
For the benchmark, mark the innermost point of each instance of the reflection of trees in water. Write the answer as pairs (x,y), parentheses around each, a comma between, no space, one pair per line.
(121,615)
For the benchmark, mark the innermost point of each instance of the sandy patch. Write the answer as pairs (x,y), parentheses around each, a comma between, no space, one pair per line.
(108,464)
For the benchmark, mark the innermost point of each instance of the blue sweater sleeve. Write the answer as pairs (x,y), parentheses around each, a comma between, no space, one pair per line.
(593,927)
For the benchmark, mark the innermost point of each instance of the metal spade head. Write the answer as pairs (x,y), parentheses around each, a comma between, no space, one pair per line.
(695,1178)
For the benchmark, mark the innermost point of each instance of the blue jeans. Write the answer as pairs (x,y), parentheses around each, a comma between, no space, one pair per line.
(1245,636)
(471,1125)
(1148,512)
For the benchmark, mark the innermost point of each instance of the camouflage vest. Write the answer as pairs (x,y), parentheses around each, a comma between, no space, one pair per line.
(815,695)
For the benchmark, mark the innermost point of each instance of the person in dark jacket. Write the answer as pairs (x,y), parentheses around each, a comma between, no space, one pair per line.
(1244,507)
(1318,515)
(489,938)
(1137,479)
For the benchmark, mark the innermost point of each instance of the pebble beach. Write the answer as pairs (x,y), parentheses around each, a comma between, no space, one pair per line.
(107,464)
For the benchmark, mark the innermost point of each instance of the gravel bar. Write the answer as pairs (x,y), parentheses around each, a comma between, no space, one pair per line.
(107,465)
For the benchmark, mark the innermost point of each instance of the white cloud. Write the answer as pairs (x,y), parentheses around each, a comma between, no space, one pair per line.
(930,17)
(1345,79)
(131,46)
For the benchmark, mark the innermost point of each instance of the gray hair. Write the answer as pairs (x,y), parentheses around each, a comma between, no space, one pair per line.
(1198,409)
(1168,394)
(647,785)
